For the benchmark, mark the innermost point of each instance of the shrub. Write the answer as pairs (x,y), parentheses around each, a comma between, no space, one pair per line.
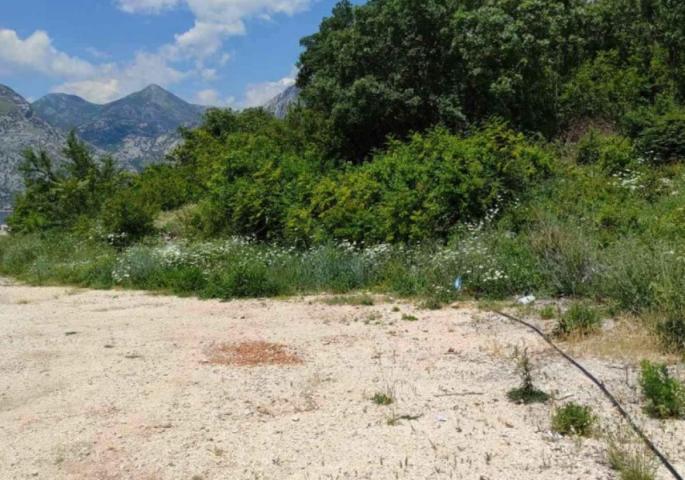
(611,152)
(602,88)
(629,280)
(665,396)
(668,292)
(579,319)
(423,188)
(664,140)
(242,280)
(672,332)
(573,419)
(566,255)
(126,218)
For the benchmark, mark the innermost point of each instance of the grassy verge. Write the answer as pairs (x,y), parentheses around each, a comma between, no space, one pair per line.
(494,265)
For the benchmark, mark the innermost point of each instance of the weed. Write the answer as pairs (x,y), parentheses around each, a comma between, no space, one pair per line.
(664,395)
(409,318)
(573,419)
(579,319)
(373,318)
(630,463)
(548,312)
(672,333)
(526,393)
(382,399)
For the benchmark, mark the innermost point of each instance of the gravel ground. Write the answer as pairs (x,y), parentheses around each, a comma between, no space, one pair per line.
(126,385)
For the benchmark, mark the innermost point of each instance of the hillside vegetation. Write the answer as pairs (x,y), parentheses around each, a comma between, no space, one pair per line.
(526,146)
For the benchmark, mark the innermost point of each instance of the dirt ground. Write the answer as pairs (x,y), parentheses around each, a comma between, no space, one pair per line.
(126,385)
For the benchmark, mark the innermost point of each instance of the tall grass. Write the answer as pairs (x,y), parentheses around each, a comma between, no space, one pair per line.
(631,274)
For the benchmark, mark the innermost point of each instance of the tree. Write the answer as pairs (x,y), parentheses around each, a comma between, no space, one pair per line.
(392,67)
(387,68)
(58,196)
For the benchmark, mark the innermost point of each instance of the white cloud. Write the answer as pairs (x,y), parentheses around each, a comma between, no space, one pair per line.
(197,52)
(215,20)
(95,82)
(212,98)
(145,6)
(97,91)
(36,53)
(208,74)
(258,94)
(113,81)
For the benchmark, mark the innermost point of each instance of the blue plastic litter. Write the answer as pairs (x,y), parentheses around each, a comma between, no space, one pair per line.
(458,283)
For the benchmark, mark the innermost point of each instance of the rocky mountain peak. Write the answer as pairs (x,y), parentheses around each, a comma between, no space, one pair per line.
(11,103)
(281,103)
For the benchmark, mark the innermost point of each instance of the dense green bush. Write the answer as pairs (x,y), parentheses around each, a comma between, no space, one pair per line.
(425,187)
(264,188)
(126,218)
(664,140)
(612,153)
(573,419)
(604,88)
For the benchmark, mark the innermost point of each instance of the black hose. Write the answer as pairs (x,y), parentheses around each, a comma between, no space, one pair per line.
(604,390)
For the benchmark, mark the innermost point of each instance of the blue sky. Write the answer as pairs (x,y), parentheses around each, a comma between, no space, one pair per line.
(217,52)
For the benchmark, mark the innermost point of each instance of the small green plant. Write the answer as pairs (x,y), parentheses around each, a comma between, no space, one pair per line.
(630,463)
(409,318)
(579,319)
(526,393)
(664,395)
(573,419)
(548,312)
(383,399)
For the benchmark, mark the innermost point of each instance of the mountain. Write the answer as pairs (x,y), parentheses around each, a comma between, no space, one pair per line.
(137,130)
(65,111)
(21,129)
(280,104)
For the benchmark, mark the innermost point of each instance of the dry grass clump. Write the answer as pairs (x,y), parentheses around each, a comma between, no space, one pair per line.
(630,340)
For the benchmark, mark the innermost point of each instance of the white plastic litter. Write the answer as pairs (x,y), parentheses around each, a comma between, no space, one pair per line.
(527,300)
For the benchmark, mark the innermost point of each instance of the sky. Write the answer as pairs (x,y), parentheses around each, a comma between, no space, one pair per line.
(236,53)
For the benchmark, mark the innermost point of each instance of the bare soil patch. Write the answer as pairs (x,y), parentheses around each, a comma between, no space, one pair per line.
(171,388)
(252,354)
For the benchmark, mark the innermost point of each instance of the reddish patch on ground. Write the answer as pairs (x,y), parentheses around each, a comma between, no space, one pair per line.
(251,354)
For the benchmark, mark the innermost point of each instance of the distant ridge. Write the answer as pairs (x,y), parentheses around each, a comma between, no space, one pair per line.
(137,130)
